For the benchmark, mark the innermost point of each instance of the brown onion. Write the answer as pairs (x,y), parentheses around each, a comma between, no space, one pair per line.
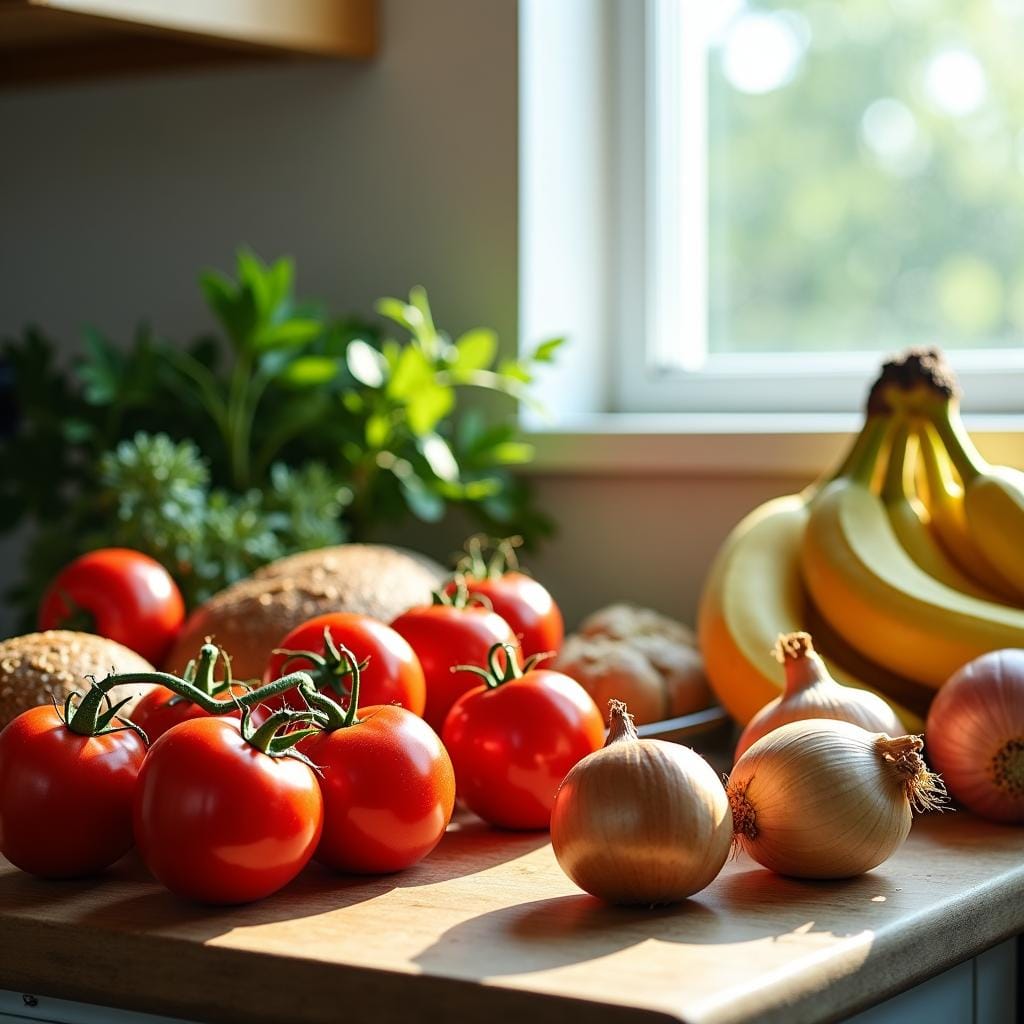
(641,821)
(826,799)
(811,692)
(975,735)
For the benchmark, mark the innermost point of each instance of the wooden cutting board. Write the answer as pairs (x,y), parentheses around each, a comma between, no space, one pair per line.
(488,928)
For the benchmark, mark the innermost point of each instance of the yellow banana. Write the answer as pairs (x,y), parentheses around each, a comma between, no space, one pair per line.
(994,503)
(946,507)
(752,594)
(993,498)
(910,700)
(876,597)
(908,518)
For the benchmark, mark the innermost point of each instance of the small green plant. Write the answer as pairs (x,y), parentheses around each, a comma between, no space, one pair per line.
(288,430)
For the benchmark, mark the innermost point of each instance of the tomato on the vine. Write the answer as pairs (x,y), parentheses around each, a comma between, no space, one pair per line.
(224,815)
(392,672)
(526,605)
(66,796)
(118,593)
(162,709)
(448,634)
(513,740)
(388,787)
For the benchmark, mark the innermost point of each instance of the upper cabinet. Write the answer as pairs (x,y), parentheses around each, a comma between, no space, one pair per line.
(49,40)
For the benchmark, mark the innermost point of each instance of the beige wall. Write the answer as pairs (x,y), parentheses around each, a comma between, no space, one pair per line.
(647,539)
(374,176)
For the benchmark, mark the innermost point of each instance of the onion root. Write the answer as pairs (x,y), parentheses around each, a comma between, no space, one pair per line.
(924,789)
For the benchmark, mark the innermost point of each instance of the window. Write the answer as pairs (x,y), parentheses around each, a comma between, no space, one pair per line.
(793,188)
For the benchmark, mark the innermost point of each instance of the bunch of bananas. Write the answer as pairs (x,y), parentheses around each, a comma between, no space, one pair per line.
(905,563)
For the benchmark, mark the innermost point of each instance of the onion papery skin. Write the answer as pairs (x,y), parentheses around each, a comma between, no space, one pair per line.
(975,735)
(811,693)
(816,799)
(642,822)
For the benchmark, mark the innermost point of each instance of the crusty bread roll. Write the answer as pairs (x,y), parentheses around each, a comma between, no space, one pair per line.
(250,618)
(355,568)
(38,667)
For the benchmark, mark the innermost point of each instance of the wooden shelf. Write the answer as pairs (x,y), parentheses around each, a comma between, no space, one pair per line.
(51,40)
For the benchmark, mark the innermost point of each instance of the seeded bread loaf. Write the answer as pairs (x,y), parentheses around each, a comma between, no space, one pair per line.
(249,618)
(39,667)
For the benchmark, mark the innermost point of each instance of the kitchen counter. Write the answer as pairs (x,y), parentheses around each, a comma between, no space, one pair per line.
(489,928)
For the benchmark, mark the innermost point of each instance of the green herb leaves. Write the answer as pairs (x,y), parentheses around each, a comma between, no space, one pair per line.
(293,429)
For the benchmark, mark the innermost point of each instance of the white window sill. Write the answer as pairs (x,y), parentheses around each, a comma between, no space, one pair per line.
(728,444)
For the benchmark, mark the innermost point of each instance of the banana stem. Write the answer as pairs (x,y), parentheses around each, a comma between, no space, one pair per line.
(894,485)
(957,442)
(860,463)
(936,470)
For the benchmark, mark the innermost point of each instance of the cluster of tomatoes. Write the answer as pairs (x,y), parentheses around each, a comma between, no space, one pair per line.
(349,751)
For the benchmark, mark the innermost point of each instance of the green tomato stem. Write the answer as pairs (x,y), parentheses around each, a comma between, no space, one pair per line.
(460,597)
(267,738)
(478,566)
(330,713)
(340,652)
(330,669)
(496,674)
(84,717)
(95,715)
(206,666)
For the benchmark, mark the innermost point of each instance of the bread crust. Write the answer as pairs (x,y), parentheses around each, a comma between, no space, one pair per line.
(38,667)
(249,618)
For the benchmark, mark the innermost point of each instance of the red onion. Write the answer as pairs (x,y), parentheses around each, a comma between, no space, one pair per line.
(975,735)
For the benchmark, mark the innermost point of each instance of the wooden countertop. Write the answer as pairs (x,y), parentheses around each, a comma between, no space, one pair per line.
(488,928)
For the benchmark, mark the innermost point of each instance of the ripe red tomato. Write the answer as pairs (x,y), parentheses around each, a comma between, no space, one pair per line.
(393,674)
(444,636)
(388,788)
(65,799)
(219,821)
(127,596)
(161,709)
(526,606)
(513,743)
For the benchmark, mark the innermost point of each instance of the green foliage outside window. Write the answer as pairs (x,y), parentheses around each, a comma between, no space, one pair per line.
(865,174)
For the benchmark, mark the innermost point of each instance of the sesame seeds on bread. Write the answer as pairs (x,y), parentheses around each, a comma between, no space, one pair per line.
(38,667)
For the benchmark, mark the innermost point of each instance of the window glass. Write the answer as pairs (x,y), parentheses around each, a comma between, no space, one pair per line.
(865,175)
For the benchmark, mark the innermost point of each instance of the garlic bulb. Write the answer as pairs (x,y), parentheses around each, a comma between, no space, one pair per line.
(827,799)
(641,821)
(811,692)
